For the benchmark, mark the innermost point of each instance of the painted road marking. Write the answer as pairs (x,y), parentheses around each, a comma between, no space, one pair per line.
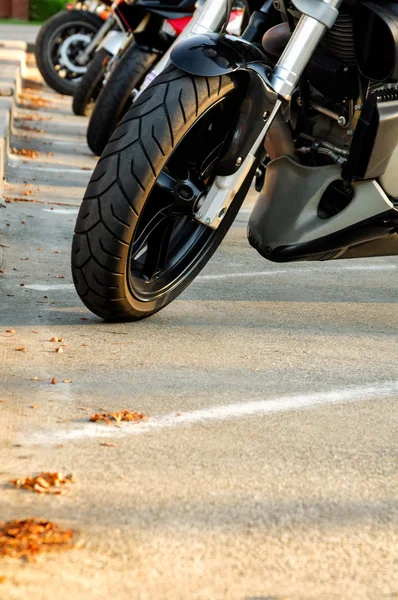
(299,270)
(46,287)
(43,287)
(62,211)
(224,412)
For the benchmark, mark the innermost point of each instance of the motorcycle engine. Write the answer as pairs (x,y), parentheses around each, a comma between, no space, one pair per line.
(337,116)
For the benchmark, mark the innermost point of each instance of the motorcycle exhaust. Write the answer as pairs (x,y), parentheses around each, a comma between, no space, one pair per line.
(309,213)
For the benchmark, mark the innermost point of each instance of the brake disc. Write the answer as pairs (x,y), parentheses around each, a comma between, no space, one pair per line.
(65,49)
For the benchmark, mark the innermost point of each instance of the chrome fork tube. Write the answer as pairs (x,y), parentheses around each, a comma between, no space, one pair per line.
(298,52)
(84,56)
(207,18)
(92,6)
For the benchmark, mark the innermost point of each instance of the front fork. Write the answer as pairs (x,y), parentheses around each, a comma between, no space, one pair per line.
(103,31)
(319,16)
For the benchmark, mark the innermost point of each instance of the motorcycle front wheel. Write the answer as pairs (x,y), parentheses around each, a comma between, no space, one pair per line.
(114,99)
(137,245)
(90,85)
(59,43)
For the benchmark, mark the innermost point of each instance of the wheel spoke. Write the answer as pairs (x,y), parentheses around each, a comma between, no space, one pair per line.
(158,246)
(150,228)
(166,182)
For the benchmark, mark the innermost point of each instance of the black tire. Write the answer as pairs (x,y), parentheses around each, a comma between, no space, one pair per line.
(91,84)
(49,41)
(121,190)
(114,99)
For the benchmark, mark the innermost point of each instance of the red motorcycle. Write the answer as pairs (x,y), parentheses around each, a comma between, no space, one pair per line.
(112,82)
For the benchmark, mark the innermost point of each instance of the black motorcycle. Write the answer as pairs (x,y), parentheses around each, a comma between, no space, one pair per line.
(311,114)
(145,35)
(66,43)
(127,75)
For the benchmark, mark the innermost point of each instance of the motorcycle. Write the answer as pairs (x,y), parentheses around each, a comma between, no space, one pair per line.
(66,43)
(305,103)
(146,32)
(125,76)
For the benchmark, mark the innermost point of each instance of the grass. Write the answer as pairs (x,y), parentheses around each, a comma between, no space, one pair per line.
(18,22)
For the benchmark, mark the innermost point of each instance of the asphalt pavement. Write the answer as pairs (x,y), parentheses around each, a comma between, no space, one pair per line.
(266,468)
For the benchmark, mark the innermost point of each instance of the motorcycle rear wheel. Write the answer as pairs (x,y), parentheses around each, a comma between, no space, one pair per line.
(136,245)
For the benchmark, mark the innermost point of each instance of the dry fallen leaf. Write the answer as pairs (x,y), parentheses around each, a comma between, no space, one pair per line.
(34,406)
(122,415)
(54,339)
(10,330)
(45,483)
(108,444)
(25,152)
(28,537)
(59,350)
(54,380)
(20,349)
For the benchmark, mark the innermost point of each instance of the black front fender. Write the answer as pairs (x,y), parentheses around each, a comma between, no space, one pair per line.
(214,55)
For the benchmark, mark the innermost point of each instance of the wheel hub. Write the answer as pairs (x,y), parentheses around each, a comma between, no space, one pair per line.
(69,50)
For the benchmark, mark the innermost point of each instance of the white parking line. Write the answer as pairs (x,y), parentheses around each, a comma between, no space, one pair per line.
(43,287)
(299,271)
(62,211)
(221,413)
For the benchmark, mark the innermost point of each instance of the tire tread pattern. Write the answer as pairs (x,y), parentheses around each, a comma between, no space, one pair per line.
(127,74)
(90,84)
(123,176)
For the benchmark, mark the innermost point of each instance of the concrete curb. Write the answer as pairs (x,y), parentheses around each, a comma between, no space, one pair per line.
(12,73)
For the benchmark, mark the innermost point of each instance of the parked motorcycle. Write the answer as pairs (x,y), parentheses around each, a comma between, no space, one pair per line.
(126,77)
(146,32)
(312,115)
(66,43)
